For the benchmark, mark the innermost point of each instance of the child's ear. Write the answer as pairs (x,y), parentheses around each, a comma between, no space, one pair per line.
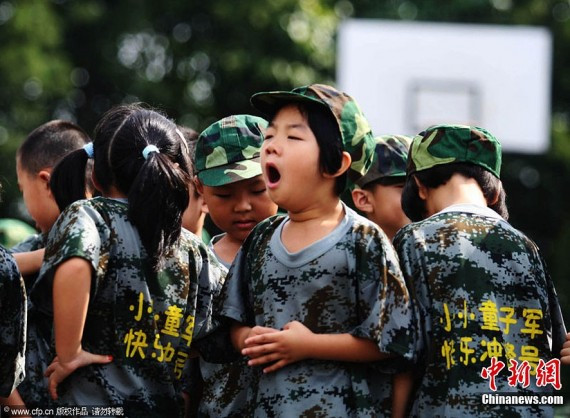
(422,190)
(344,165)
(45,176)
(199,186)
(362,200)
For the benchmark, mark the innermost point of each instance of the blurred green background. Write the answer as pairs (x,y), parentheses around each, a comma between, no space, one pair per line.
(200,61)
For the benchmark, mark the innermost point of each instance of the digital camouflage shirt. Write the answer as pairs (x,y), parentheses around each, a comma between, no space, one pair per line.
(223,388)
(483,297)
(348,282)
(145,320)
(12,324)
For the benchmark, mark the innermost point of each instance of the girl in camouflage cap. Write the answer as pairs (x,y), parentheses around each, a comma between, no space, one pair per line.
(129,289)
(316,297)
(486,306)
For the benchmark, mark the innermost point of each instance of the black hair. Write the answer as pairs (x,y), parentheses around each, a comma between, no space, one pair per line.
(327,133)
(415,208)
(156,186)
(70,179)
(48,143)
(191,137)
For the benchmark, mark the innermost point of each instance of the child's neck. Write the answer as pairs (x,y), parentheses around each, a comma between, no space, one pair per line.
(457,190)
(227,248)
(312,224)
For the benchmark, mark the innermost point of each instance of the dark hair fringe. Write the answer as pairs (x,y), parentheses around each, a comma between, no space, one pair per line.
(415,208)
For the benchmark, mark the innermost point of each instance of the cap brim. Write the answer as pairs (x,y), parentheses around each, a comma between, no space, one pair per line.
(269,102)
(230,173)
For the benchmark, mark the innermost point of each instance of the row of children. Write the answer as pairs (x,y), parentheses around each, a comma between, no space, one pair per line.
(319,314)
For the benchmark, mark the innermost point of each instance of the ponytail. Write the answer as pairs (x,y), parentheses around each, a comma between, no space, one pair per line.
(157,199)
(68,180)
(156,184)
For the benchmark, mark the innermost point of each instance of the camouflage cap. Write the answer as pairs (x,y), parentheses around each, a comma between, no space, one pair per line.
(390,159)
(228,150)
(445,144)
(355,132)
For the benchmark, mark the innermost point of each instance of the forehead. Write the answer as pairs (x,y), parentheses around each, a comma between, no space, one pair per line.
(289,113)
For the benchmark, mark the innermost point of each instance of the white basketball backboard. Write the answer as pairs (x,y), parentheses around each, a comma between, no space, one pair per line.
(407,76)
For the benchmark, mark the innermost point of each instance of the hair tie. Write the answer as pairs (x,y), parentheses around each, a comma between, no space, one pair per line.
(88,148)
(148,149)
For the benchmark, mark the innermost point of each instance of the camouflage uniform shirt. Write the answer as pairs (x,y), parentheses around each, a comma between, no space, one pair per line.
(482,292)
(145,320)
(224,386)
(12,324)
(347,282)
(39,351)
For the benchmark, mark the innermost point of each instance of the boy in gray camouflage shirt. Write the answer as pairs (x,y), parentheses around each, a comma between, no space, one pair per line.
(488,316)
(316,298)
(379,191)
(229,179)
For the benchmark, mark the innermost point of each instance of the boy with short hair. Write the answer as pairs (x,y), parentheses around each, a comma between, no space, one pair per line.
(229,178)
(483,296)
(36,157)
(379,192)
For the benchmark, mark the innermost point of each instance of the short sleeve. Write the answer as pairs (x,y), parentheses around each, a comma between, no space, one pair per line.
(384,303)
(12,324)
(209,274)
(79,231)
(235,301)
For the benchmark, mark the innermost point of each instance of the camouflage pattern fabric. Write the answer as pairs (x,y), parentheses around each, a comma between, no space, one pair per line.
(228,150)
(12,324)
(444,144)
(224,386)
(390,159)
(355,132)
(39,350)
(32,243)
(146,321)
(350,282)
(482,291)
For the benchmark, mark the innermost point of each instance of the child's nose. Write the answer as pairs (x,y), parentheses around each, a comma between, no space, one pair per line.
(242,205)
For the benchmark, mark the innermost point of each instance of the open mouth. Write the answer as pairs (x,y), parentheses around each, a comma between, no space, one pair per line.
(273,174)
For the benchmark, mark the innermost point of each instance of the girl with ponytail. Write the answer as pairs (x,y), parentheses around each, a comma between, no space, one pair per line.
(130,288)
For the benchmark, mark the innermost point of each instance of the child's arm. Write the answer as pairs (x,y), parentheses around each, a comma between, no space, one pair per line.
(296,342)
(565,352)
(71,288)
(402,384)
(29,262)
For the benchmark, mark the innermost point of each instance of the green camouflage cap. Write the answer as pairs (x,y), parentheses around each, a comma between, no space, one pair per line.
(390,159)
(228,150)
(445,144)
(355,132)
